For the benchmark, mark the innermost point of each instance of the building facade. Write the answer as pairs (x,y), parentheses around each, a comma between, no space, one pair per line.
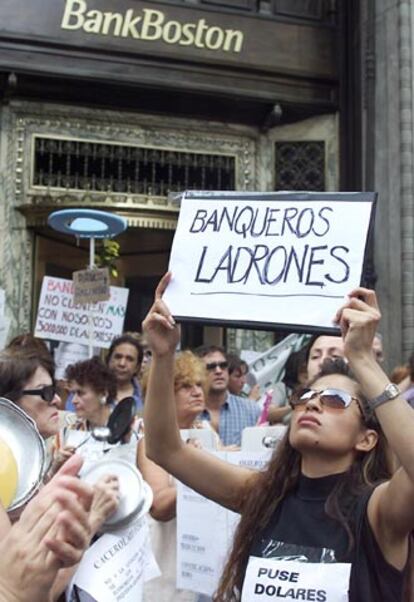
(120,105)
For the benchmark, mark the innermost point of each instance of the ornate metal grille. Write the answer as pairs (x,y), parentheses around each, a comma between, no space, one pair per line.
(300,165)
(114,168)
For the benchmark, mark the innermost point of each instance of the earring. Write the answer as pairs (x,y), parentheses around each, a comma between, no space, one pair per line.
(103,400)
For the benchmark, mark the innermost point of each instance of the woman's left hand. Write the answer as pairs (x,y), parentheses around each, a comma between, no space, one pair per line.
(358,319)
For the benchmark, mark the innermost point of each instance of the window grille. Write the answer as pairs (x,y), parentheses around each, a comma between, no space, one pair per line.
(300,165)
(115,168)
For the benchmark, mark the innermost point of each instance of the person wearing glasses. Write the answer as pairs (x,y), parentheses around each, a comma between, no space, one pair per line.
(25,379)
(227,413)
(327,507)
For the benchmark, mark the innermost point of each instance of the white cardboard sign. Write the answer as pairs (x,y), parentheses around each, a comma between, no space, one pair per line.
(257,259)
(60,319)
(270,579)
(205,530)
(116,566)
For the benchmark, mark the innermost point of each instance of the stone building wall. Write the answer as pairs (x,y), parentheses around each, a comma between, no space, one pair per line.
(390,116)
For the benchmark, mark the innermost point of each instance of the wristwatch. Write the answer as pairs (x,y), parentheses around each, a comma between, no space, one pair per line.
(390,392)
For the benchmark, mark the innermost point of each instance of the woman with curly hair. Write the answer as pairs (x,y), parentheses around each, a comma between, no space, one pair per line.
(93,386)
(326,497)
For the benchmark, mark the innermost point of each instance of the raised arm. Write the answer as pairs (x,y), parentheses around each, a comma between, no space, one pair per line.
(391,507)
(220,481)
(165,494)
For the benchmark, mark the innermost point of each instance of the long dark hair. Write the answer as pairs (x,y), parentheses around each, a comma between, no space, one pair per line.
(273,484)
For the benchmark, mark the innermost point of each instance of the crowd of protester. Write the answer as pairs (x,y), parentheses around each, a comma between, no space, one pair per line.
(366,457)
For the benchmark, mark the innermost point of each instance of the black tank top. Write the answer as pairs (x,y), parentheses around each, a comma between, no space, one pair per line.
(300,529)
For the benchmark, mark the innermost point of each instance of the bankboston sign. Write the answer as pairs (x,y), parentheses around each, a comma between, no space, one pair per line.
(150,25)
(129,40)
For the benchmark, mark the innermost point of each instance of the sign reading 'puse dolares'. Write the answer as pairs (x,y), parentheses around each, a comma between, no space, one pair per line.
(276,258)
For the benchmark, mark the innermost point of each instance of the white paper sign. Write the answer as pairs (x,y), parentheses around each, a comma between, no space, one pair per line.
(115,567)
(205,530)
(284,261)
(58,318)
(69,353)
(270,579)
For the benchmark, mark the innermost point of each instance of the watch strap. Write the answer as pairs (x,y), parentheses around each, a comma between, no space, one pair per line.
(390,392)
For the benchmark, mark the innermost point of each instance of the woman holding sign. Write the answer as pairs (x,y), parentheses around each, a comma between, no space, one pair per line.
(326,507)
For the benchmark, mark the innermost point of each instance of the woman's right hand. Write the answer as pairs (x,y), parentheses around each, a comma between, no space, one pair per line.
(105,501)
(160,328)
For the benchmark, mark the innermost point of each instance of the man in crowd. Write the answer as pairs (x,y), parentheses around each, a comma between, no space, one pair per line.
(124,359)
(238,370)
(228,414)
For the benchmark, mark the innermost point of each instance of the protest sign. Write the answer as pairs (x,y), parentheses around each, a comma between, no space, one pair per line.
(60,319)
(293,580)
(91,286)
(205,530)
(268,367)
(116,566)
(69,353)
(254,259)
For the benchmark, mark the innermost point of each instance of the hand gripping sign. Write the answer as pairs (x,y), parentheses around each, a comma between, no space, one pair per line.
(254,259)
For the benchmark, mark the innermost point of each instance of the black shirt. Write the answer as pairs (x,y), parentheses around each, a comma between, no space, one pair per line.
(301,530)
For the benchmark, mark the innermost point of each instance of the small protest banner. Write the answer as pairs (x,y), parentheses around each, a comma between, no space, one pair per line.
(91,286)
(255,259)
(286,579)
(61,319)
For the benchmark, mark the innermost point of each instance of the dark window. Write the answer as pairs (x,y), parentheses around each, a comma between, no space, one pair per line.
(97,166)
(306,9)
(300,165)
(249,5)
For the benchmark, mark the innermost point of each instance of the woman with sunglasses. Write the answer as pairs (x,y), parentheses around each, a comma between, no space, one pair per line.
(25,379)
(326,497)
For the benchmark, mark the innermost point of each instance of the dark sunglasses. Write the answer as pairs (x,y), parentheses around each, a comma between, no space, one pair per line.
(213,365)
(330,398)
(47,393)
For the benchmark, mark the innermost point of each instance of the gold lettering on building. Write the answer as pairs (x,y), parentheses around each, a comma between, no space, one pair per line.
(150,25)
